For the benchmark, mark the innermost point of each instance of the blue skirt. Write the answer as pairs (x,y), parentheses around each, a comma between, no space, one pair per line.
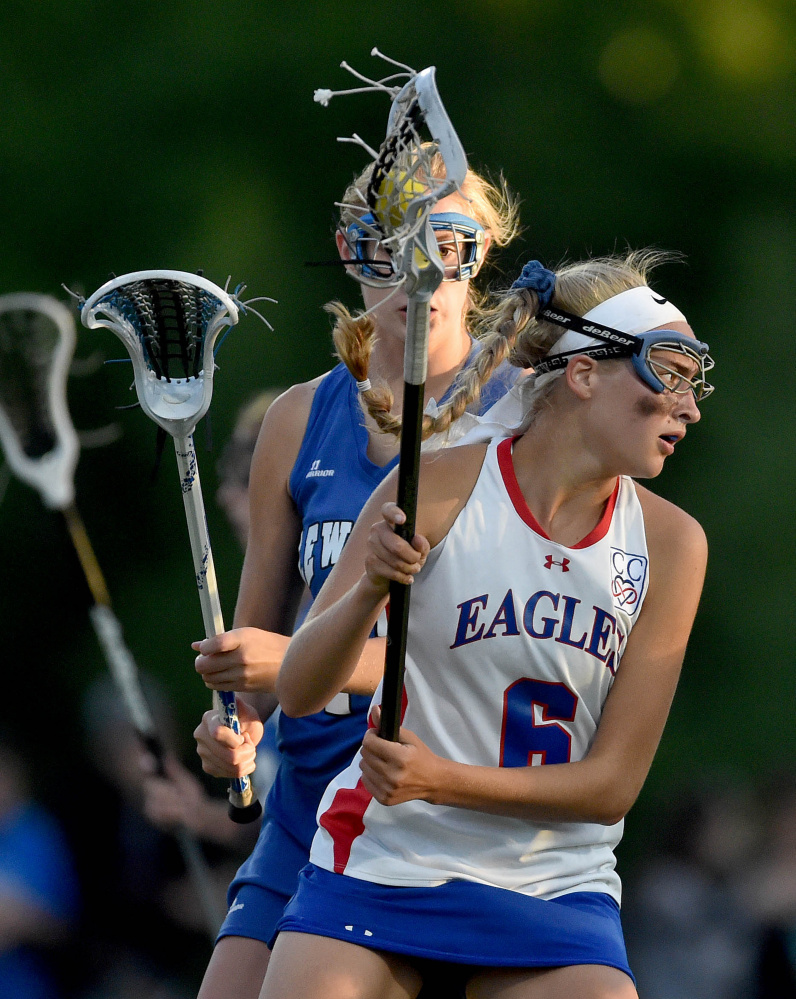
(461,922)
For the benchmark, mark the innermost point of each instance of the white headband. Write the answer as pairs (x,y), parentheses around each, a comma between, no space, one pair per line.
(634,311)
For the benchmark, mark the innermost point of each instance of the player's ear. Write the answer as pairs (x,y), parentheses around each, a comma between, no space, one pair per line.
(581,375)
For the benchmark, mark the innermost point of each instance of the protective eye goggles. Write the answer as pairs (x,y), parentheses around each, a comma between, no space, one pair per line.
(663,377)
(659,373)
(461,245)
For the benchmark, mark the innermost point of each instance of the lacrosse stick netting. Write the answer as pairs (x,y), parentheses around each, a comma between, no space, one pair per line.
(169,322)
(401,194)
(37,340)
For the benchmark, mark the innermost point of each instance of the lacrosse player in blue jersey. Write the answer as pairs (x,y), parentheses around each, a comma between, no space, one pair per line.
(318,458)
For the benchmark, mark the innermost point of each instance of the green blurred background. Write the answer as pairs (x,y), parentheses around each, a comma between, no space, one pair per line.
(184,135)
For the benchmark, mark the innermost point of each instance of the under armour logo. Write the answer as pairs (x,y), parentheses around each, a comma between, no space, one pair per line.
(549,562)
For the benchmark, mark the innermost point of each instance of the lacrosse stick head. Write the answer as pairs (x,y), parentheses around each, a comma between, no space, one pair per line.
(406,183)
(37,340)
(403,188)
(169,322)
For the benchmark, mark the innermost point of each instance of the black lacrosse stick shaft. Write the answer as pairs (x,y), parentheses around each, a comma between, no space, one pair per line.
(408,478)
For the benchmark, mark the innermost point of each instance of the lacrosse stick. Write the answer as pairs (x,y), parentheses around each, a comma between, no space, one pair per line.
(169,322)
(37,339)
(400,196)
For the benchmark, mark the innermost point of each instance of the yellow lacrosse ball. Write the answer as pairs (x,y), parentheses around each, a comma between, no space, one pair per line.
(390,208)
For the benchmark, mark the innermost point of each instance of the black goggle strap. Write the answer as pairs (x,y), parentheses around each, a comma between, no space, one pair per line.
(630,344)
(617,344)
(558,361)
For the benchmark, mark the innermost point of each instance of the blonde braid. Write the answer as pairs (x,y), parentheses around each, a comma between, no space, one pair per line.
(354,338)
(498,341)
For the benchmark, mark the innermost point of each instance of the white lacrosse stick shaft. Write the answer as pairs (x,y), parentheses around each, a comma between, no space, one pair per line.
(241,794)
(166,310)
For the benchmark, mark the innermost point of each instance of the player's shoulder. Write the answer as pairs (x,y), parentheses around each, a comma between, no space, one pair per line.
(295,401)
(670,531)
(447,480)
(451,469)
(289,413)
(284,426)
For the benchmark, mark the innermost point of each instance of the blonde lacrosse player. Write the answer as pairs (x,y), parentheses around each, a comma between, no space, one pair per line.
(552,602)
(318,459)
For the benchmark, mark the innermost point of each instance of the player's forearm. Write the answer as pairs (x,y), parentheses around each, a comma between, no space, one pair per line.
(325,652)
(369,670)
(586,791)
(263,703)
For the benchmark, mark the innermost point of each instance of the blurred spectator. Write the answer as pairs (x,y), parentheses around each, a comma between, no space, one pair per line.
(235,461)
(690,932)
(142,904)
(138,911)
(38,886)
(771,895)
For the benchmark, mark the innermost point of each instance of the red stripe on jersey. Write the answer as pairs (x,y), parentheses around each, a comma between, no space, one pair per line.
(601,527)
(506,465)
(344,818)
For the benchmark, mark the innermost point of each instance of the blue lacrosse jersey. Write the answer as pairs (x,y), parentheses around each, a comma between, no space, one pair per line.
(330,483)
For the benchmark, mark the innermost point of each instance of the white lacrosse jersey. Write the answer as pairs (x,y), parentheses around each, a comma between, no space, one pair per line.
(514,642)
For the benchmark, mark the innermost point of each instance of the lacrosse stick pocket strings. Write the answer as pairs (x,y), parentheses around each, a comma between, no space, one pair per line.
(169,322)
(37,340)
(401,194)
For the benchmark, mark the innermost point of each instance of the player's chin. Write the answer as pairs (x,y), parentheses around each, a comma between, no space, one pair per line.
(650,468)
(641,460)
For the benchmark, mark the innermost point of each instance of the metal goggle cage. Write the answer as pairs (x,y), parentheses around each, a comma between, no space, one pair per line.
(661,376)
(653,371)
(461,250)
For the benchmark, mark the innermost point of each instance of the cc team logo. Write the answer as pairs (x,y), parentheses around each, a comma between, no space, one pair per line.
(628,575)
